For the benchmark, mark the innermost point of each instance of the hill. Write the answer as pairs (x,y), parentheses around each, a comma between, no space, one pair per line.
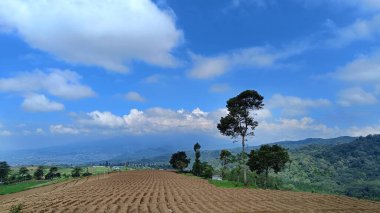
(120,150)
(343,165)
(212,156)
(351,168)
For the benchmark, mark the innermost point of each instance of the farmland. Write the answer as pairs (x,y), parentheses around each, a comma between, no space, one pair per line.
(22,185)
(164,191)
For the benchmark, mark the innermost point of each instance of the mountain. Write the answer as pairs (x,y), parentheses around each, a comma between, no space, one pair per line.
(350,168)
(119,150)
(212,156)
(126,148)
(344,165)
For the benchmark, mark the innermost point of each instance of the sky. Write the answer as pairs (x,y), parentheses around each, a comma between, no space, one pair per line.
(80,70)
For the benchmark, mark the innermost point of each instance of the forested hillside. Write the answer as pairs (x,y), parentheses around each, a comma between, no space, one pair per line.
(343,165)
(351,168)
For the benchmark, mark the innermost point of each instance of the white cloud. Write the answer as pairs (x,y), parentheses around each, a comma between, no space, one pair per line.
(199,113)
(205,67)
(295,106)
(360,5)
(60,129)
(134,96)
(39,103)
(104,33)
(263,114)
(354,96)
(293,129)
(364,5)
(61,83)
(40,131)
(5,133)
(363,131)
(361,29)
(106,119)
(256,3)
(219,88)
(363,69)
(257,57)
(160,120)
(151,120)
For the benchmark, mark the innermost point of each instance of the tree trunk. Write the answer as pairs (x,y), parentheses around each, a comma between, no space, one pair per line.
(243,160)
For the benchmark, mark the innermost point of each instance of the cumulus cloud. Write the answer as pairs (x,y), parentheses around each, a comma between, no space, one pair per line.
(367,5)
(61,129)
(363,131)
(134,96)
(361,29)
(61,83)
(161,120)
(205,67)
(256,3)
(39,131)
(362,69)
(257,57)
(5,133)
(106,119)
(295,106)
(354,96)
(293,129)
(361,5)
(148,121)
(107,33)
(40,103)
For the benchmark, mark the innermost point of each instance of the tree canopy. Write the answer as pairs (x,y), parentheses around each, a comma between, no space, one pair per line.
(39,173)
(268,157)
(196,170)
(23,171)
(76,172)
(4,170)
(179,160)
(239,121)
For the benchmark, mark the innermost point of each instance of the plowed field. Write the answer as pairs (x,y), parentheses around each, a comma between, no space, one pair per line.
(163,191)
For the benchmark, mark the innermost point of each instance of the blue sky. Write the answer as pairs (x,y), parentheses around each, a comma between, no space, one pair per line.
(84,70)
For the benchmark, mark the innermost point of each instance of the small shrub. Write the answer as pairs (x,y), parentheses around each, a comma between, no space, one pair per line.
(16,208)
(86,174)
(206,170)
(76,172)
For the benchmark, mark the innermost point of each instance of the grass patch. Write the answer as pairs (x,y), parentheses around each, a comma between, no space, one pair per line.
(18,187)
(228,184)
(22,186)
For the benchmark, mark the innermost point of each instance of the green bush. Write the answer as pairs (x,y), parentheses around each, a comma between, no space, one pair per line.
(206,170)
(76,172)
(86,174)
(16,208)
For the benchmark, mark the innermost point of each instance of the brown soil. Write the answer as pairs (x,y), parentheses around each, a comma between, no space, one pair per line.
(163,191)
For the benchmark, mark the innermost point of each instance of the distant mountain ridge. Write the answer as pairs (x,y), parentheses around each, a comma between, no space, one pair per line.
(347,168)
(119,151)
(212,155)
